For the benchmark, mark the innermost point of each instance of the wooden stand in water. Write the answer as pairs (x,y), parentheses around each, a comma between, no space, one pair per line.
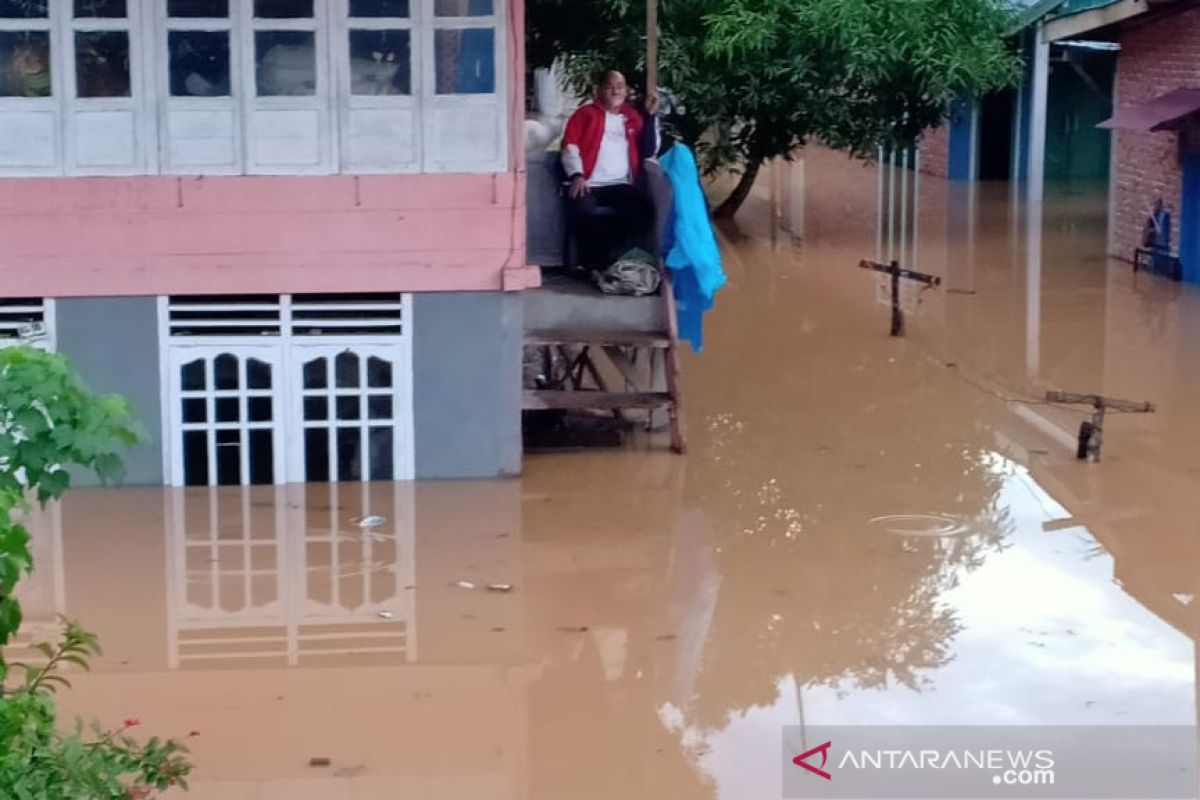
(1091,434)
(897,272)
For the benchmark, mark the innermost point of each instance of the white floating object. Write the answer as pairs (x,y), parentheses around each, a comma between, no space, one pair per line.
(465,584)
(373,521)
(386,615)
(1184,599)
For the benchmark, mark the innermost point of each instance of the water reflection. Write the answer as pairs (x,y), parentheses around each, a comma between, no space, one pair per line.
(290,574)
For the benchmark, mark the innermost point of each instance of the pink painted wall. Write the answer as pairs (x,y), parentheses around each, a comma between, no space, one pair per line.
(64,237)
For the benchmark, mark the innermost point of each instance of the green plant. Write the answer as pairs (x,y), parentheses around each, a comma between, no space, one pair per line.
(757,78)
(50,422)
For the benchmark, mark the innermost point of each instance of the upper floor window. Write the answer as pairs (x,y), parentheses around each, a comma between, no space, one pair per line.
(251,86)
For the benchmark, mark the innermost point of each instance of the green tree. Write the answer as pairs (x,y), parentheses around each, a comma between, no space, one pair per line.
(758,78)
(49,422)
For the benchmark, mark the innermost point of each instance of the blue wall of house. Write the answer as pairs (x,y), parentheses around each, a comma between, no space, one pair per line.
(1189,218)
(467,351)
(113,342)
(961,159)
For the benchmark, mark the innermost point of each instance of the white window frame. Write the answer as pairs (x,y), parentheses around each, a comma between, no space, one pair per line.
(441,106)
(41,106)
(289,351)
(77,109)
(450,133)
(175,113)
(258,110)
(351,107)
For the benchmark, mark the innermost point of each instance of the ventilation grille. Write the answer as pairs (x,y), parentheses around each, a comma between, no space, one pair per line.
(225,315)
(23,319)
(306,315)
(347,315)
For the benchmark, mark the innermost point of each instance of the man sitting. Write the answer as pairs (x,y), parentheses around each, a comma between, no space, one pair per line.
(605,143)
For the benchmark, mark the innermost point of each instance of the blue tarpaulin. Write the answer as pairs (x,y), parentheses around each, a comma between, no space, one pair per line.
(692,253)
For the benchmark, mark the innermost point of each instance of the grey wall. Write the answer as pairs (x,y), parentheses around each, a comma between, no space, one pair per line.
(113,342)
(467,384)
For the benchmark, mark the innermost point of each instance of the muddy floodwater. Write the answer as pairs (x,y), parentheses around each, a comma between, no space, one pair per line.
(865,530)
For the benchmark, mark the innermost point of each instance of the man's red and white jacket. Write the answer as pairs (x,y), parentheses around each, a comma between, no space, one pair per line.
(585,131)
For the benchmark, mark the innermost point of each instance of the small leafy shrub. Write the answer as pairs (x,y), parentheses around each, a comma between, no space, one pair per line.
(49,422)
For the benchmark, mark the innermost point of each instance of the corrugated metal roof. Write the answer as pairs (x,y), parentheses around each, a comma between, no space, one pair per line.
(1046,10)
(1034,13)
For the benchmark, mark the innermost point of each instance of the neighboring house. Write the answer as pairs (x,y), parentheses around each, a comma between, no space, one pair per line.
(290,231)
(989,138)
(1073,99)
(1156,127)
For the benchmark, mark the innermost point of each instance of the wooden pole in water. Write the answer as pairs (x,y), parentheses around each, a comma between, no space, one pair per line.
(651,48)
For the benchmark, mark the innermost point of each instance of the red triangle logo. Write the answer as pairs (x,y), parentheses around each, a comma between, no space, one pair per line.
(800,760)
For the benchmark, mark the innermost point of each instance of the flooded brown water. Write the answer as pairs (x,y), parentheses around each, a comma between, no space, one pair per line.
(865,530)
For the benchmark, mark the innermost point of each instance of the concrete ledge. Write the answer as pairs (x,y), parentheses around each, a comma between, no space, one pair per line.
(567,303)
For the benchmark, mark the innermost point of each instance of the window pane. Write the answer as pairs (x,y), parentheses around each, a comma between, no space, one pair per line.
(102,64)
(346,371)
(229,458)
(225,371)
(349,454)
(466,61)
(379,373)
(258,374)
(349,408)
(463,8)
(382,468)
(191,376)
(261,409)
(316,408)
(24,64)
(379,8)
(315,374)
(316,455)
(23,9)
(100,8)
(262,457)
(195,410)
(195,458)
(199,63)
(217,9)
(228,409)
(380,62)
(285,63)
(283,9)
(380,407)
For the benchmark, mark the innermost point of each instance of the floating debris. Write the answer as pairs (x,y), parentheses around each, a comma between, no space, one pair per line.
(499,587)
(386,615)
(573,629)
(465,584)
(319,761)
(372,521)
(1184,599)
